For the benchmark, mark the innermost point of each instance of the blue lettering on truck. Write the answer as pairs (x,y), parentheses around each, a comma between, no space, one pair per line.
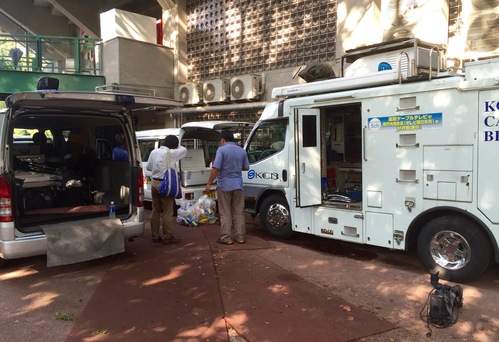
(491,121)
(491,106)
(252,174)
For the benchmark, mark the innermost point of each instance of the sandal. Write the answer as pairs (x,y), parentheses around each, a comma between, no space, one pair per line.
(225,242)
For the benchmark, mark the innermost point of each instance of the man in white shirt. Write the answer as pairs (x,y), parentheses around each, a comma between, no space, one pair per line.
(162,206)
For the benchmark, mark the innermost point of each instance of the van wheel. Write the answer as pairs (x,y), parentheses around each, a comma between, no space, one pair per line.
(275,218)
(455,247)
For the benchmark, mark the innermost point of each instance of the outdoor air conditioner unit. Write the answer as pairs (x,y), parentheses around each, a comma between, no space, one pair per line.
(412,56)
(246,88)
(215,91)
(190,93)
(480,28)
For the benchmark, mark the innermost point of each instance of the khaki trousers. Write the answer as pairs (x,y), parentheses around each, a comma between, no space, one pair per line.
(162,212)
(231,208)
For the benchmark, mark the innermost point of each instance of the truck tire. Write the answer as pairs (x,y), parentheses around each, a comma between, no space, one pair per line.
(275,217)
(455,247)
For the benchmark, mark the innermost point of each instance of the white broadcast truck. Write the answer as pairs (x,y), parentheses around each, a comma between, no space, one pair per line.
(396,158)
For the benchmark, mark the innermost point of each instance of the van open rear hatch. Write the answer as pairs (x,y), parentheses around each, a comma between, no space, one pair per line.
(62,177)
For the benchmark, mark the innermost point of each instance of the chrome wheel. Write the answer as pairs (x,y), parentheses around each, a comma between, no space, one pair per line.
(275,217)
(450,250)
(278,216)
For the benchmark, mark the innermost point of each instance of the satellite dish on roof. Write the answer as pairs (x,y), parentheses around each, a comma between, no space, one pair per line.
(317,71)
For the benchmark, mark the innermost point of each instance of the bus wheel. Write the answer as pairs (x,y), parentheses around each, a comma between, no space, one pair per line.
(275,218)
(455,247)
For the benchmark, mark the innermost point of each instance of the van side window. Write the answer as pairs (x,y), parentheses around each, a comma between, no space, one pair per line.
(104,149)
(146,147)
(268,139)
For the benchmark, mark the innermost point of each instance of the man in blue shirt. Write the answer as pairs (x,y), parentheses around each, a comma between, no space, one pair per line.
(227,168)
(119,152)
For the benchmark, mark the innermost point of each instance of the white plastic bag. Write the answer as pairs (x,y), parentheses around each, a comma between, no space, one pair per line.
(186,214)
(205,209)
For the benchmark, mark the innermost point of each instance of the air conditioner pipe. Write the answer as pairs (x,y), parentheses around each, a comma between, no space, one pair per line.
(220,108)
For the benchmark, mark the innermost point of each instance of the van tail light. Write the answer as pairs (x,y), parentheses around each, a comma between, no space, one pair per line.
(5,201)
(140,188)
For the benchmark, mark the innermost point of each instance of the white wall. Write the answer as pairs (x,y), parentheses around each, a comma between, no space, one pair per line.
(367,22)
(132,63)
(118,23)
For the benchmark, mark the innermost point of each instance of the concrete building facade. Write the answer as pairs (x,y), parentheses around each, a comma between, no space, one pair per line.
(223,57)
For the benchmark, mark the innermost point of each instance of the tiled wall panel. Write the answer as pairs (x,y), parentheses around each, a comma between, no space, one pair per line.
(228,38)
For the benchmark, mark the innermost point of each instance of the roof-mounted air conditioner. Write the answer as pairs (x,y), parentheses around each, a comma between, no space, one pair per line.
(190,93)
(216,90)
(411,56)
(246,88)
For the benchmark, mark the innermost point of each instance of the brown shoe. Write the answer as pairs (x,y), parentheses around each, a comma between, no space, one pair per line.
(241,241)
(171,240)
(225,242)
(157,239)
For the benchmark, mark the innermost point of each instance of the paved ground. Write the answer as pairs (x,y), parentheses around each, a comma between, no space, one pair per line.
(190,291)
(360,285)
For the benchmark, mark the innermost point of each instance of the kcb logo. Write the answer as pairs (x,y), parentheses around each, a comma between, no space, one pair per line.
(252,174)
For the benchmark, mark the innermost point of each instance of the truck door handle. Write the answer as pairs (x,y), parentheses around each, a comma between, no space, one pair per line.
(407,180)
(364,152)
(302,167)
